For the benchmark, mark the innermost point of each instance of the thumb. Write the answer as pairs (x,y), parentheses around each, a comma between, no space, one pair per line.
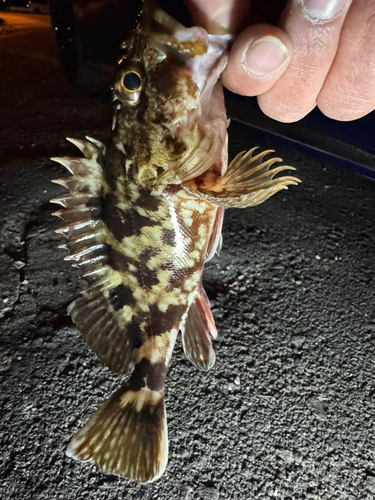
(258,58)
(219,17)
(259,55)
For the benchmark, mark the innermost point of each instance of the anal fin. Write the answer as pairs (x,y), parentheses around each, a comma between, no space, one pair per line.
(197,332)
(247,182)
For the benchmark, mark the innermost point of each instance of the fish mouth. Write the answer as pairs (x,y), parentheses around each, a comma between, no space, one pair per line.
(168,32)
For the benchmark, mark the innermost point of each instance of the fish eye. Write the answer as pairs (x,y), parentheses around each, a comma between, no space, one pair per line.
(131,82)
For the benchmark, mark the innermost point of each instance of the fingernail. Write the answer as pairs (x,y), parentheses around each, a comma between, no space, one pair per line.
(322,10)
(264,56)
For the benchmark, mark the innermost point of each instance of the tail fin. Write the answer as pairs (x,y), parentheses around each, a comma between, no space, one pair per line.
(127,436)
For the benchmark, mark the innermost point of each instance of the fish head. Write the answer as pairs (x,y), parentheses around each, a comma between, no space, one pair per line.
(170,116)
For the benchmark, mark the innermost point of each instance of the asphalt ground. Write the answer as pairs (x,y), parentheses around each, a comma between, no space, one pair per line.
(287,411)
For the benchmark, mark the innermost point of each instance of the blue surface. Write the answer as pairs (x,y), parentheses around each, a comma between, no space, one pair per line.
(359,132)
(348,145)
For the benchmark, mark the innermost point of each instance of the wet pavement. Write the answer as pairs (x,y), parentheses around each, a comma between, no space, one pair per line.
(288,410)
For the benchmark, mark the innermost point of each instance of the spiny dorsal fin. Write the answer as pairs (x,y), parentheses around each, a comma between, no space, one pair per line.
(80,166)
(91,149)
(95,311)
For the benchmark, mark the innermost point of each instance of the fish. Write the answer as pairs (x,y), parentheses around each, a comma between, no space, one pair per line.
(143,214)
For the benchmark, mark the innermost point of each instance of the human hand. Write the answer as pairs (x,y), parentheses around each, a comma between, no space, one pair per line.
(321,53)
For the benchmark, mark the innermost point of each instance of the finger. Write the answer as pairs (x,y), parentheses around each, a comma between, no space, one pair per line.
(258,58)
(219,16)
(314,28)
(349,89)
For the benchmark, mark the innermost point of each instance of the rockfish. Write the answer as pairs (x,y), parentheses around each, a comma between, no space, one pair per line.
(143,215)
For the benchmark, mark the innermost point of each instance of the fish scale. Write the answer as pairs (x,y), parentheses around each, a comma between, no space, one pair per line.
(143,215)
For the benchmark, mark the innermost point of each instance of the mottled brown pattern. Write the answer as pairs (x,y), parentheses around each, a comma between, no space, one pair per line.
(113,167)
(162,322)
(147,374)
(113,218)
(168,236)
(121,296)
(150,203)
(134,334)
(119,261)
(142,110)
(164,75)
(177,148)
(123,224)
(137,221)
(175,279)
(147,277)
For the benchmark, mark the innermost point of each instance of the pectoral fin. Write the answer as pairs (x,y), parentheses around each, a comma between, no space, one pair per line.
(197,332)
(247,182)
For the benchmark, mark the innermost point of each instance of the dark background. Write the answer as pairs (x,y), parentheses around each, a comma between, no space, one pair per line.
(288,410)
